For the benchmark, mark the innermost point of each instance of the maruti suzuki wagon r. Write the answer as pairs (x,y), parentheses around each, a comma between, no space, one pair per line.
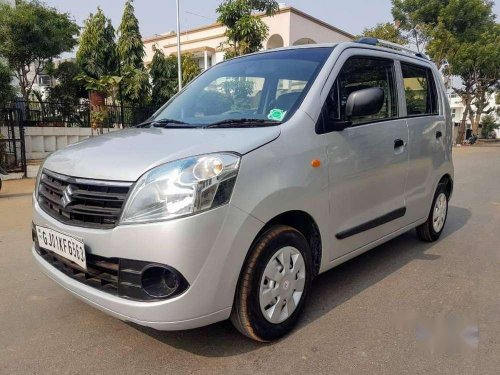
(262,173)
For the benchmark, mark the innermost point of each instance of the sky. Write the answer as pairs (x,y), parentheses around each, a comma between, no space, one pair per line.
(158,16)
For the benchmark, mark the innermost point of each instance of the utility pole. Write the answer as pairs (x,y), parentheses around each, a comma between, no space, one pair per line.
(179,61)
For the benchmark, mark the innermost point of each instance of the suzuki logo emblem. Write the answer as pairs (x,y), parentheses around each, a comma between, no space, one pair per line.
(66,196)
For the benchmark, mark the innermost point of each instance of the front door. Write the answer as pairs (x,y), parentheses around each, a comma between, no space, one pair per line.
(368,161)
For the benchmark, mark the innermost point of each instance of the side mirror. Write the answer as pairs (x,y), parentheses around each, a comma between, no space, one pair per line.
(364,102)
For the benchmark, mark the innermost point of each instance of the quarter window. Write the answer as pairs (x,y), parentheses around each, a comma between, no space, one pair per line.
(360,73)
(420,90)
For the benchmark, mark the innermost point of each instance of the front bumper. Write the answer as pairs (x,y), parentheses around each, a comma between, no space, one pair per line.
(208,249)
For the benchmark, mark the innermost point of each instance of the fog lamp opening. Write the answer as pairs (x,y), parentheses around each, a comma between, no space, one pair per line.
(160,282)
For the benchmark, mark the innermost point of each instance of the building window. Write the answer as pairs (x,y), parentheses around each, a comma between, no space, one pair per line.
(44,80)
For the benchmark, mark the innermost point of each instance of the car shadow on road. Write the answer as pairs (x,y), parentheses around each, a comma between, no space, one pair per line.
(329,290)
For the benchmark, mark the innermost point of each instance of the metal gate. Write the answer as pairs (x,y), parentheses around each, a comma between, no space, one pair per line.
(12,149)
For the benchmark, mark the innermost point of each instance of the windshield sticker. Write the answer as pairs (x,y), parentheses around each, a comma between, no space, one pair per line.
(276,114)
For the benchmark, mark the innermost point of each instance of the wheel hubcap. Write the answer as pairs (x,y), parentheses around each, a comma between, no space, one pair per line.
(439,214)
(282,284)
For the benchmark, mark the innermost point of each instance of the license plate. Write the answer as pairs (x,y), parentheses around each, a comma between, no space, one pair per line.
(66,246)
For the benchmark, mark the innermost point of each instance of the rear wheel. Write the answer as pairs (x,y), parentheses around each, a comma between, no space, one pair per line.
(431,230)
(273,285)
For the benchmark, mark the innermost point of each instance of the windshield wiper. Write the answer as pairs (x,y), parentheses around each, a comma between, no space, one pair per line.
(242,122)
(163,123)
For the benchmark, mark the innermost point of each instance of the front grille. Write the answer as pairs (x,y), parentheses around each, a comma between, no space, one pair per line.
(82,202)
(101,273)
(117,276)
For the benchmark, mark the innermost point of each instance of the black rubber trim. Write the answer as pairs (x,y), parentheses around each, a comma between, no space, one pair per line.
(393,215)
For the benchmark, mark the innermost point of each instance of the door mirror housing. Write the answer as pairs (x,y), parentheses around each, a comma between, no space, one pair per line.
(364,102)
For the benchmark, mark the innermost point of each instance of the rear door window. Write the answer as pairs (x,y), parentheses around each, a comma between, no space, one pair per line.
(420,90)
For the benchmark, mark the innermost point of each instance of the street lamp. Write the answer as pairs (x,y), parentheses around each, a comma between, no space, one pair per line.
(179,67)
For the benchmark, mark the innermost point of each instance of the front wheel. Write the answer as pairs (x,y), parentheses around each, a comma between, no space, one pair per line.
(431,230)
(273,285)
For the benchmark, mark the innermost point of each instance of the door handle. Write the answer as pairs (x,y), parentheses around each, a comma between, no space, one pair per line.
(438,134)
(398,143)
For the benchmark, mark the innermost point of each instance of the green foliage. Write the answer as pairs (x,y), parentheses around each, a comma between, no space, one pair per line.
(68,90)
(190,68)
(6,90)
(135,88)
(130,47)
(97,55)
(98,117)
(163,72)
(213,102)
(386,31)
(245,32)
(107,84)
(240,91)
(459,23)
(31,34)
(488,125)
(441,26)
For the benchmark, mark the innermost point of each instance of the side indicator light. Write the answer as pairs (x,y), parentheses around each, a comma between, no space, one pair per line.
(315,163)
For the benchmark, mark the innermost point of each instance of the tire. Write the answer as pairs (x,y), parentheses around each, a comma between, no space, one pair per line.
(248,316)
(428,232)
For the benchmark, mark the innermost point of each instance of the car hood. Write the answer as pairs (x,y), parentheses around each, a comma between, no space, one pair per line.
(126,154)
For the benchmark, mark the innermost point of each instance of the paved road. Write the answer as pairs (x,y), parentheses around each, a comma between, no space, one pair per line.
(403,308)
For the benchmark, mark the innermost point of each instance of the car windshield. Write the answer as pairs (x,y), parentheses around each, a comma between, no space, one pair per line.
(258,90)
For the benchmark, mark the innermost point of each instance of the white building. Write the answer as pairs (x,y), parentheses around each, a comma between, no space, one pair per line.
(288,27)
(458,108)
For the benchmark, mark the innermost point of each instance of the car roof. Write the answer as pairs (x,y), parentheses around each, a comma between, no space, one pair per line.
(346,45)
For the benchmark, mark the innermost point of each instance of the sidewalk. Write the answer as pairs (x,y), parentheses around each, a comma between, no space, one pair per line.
(17,188)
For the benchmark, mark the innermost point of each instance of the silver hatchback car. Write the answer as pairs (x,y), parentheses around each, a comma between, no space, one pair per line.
(264,172)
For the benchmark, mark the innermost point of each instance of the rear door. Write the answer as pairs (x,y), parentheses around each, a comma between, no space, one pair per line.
(427,129)
(368,161)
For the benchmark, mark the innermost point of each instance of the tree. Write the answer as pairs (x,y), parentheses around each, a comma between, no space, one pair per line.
(464,64)
(6,90)
(68,89)
(163,72)
(488,125)
(131,54)
(460,22)
(245,31)
(31,35)
(386,31)
(416,18)
(440,26)
(130,47)
(488,74)
(190,68)
(477,63)
(96,54)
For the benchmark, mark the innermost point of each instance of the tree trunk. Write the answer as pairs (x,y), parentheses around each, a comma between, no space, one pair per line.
(461,130)
(477,119)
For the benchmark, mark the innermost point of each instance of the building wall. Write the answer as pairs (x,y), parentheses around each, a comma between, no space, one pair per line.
(286,28)
(304,29)
(41,141)
(457,109)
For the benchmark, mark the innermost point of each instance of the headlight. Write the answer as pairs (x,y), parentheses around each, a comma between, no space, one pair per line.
(38,178)
(182,188)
